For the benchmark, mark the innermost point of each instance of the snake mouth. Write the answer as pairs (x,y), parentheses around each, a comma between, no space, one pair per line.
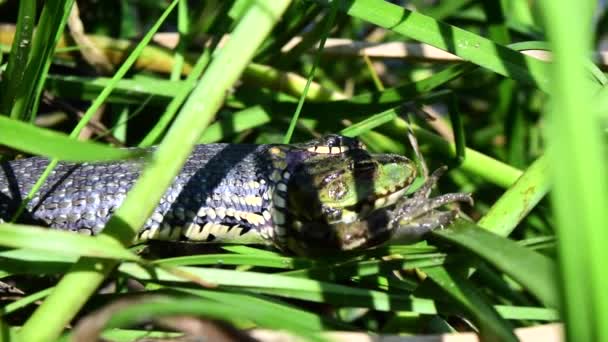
(388,199)
(369,205)
(389,196)
(397,175)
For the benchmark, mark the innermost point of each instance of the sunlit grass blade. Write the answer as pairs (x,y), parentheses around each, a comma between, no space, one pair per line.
(61,242)
(55,241)
(280,262)
(27,254)
(578,163)
(465,44)
(183,27)
(284,286)
(40,141)
(513,206)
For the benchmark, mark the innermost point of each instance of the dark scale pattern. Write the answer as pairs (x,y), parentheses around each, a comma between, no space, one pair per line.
(81,197)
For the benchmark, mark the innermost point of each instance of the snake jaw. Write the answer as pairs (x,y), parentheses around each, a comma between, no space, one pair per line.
(327,195)
(390,198)
(378,219)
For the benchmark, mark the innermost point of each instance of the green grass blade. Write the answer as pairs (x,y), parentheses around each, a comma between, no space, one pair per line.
(315,291)
(248,118)
(461,292)
(130,91)
(280,262)
(532,270)
(458,131)
(369,102)
(183,27)
(443,10)
(40,141)
(50,25)
(26,254)
(20,50)
(527,313)
(283,286)
(12,267)
(577,155)
(56,26)
(513,206)
(156,132)
(25,301)
(120,73)
(61,242)
(465,44)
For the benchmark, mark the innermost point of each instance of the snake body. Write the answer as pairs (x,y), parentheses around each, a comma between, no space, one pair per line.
(323,195)
(222,191)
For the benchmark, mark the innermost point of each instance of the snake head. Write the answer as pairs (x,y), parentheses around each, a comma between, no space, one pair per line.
(329,194)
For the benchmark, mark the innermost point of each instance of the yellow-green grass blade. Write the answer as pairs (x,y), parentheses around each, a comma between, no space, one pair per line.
(577,155)
(28,138)
(61,242)
(515,204)
(25,301)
